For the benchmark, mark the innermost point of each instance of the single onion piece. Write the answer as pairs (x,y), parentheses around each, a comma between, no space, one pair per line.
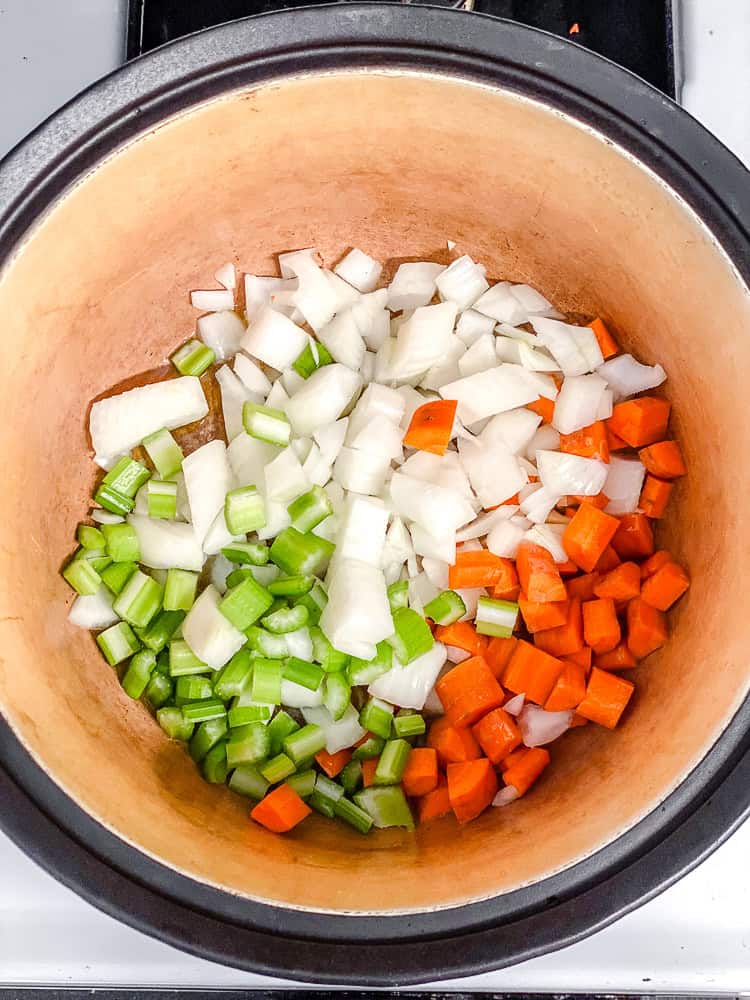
(342,338)
(251,375)
(234,395)
(504,538)
(456,655)
(260,290)
(549,536)
(502,305)
(514,428)
(422,341)
(227,276)
(578,403)
(421,591)
(494,472)
(222,332)
(212,300)
(413,285)
(359,270)
(545,438)
(506,795)
(533,301)
(341,733)
(472,325)
(514,705)
(93,610)
(623,484)
(561,473)
(436,571)
(516,333)
(362,528)
(208,479)
(626,376)
(485,522)
(274,339)
(408,686)
(562,343)
(323,398)
(462,282)
(487,393)
(539,727)
(508,350)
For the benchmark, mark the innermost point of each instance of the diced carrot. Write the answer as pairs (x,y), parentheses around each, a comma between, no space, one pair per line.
(654,496)
(647,628)
(621,583)
(634,538)
(420,775)
(476,568)
(538,574)
(600,500)
(619,658)
(587,536)
(523,773)
(431,426)
(532,672)
(614,441)
(462,635)
(563,639)
(436,803)
(590,442)
(663,459)
(538,616)
(568,568)
(582,587)
(498,654)
(569,690)
(333,763)
(281,810)
(471,788)
(605,340)
(654,562)
(665,586)
(578,720)
(582,658)
(640,421)
(453,744)
(601,628)
(469,691)
(369,767)
(544,407)
(506,587)
(606,698)
(513,758)
(609,560)
(497,734)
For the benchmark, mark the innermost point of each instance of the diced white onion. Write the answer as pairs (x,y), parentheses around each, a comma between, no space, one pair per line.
(436,571)
(93,610)
(435,508)
(502,305)
(494,472)
(544,438)
(562,474)
(361,471)
(487,393)
(273,338)
(381,437)
(533,301)
(549,536)
(295,695)
(537,505)
(285,478)
(208,479)
(260,290)
(167,544)
(562,342)
(413,285)
(219,536)
(222,332)
(462,282)
(210,635)
(299,643)
(447,369)
(251,375)
(357,611)
(323,398)
(441,546)
(623,484)
(234,395)
(105,516)
(362,528)
(359,270)
(472,325)
(340,734)
(536,361)
(578,402)
(248,457)
(408,686)
(212,300)
(626,376)
(539,727)
(514,429)
(422,341)
(479,357)
(483,524)
(226,275)
(421,591)
(514,705)
(508,350)
(456,655)
(342,338)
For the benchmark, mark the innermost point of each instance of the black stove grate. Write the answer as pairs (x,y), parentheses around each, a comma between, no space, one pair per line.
(638,34)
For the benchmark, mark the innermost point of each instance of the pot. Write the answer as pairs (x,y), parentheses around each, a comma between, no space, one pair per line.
(394,129)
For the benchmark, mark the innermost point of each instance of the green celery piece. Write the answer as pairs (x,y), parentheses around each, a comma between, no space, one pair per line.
(248,744)
(277,768)
(164,452)
(193,358)
(295,553)
(351,776)
(412,636)
(139,600)
(285,619)
(362,672)
(322,805)
(207,735)
(310,509)
(408,723)
(174,724)
(243,553)
(291,586)
(280,726)
(182,660)
(372,747)
(398,594)
(113,501)
(273,647)
(215,767)
(392,762)
(244,604)
(386,805)
(82,576)
(266,686)
(116,575)
(158,691)
(353,815)
(232,678)
(266,424)
(377,717)
(179,590)
(445,609)
(323,652)
(248,781)
(137,676)
(304,743)
(303,783)
(204,711)
(244,510)
(302,672)
(90,537)
(161,497)
(315,601)
(118,642)
(337,694)
(126,477)
(161,629)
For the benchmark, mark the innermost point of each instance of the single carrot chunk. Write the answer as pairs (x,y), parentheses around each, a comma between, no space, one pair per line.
(601,629)
(582,587)
(640,421)
(469,691)
(532,672)
(507,586)
(568,568)
(421,772)
(462,635)
(524,771)
(569,690)
(665,586)
(281,810)
(566,638)
(538,575)
(609,560)
(369,767)
(435,804)
(471,788)
(614,441)
(497,734)
(578,720)
(606,698)
(600,500)
(654,496)
(647,628)
(538,616)
(544,407)
(513,758)
(634,538)
(431,426)
(663,459)
(333,763)
(498,654)
(605,340)
(654,562)
(453,744)
(590,442)
(587,536)
(621,583)
(582,658)
(619,658)
(476,568)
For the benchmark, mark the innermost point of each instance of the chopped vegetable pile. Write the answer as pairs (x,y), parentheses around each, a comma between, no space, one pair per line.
(423,553)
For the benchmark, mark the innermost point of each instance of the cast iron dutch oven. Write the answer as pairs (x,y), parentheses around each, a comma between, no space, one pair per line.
(394,129)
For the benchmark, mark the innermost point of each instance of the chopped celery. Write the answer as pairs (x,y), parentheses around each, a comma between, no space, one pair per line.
(248,744)
(280,726)
(351,776)
(117,574)
(238,576)
(412,636)
(244,604)
(136,678)
(392,762)
(126,477)
(118,642)
(122,542)
(285,619)
(372,747)
(113,501)
(204,711)
(139,600)
(232,678)
(310,509)
(82,576)
(398,594)
(353,814)
(164,452)
(193,689)
(277,768)
(193,358)
(366,671)
(323,652)
(408,723)
(244,714)
(496,618)
(179,590)
(315,601)
(377,717)
(291,586)
(207,735)
(302,672)
(327,788)
(215,767)
(254,553)
(90,537)
(386,805)
(247,780)
(337,694)
(304,743)
(162,499)
(295,553)
(99,559)
(273,647)
(266,424)
(182,660)
(174,723)
(159,690)
(321,804)
(302,783)
(244,510)
(305,364)
(267,681)
(445,609)
(161,629)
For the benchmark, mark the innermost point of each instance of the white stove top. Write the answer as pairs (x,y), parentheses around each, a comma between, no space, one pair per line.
(694,937)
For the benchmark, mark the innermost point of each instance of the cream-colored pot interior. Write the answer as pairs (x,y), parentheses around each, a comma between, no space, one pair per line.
(395,164)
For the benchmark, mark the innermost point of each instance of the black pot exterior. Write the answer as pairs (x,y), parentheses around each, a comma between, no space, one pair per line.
(708,805)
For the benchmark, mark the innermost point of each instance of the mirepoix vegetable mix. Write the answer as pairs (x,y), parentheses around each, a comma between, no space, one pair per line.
(423,553)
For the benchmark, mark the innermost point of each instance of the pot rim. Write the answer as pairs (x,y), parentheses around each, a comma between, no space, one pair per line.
(709,803)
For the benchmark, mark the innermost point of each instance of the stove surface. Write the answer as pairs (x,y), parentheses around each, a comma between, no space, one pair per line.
(695,936)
